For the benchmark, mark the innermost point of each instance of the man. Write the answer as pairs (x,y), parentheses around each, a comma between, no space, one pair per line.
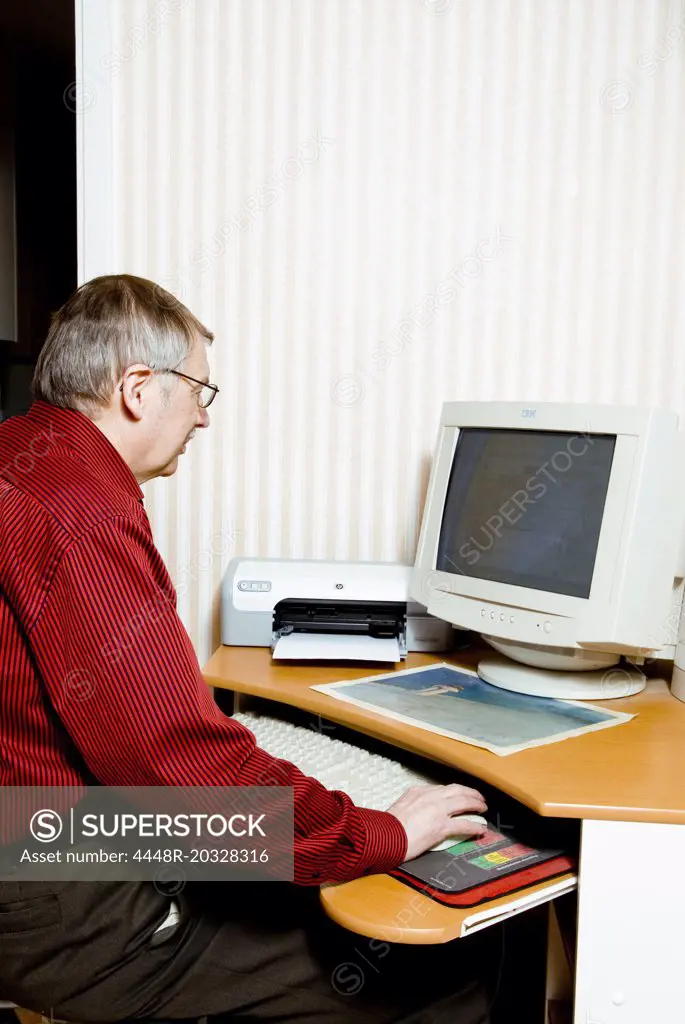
(121,386)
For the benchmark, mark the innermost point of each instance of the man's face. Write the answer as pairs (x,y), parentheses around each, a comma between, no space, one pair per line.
(179,412)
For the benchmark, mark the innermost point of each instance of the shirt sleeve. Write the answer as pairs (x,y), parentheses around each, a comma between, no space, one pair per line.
(123,677)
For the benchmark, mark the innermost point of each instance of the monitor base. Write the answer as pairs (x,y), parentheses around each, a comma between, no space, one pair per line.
(604,684)
(557,659)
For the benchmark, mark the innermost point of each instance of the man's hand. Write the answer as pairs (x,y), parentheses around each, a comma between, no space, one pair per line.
(429,814)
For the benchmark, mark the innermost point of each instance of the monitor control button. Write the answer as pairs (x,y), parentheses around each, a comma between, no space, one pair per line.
(492,615)
(547,626)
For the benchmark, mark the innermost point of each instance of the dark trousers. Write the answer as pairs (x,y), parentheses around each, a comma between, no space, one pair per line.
(86,951)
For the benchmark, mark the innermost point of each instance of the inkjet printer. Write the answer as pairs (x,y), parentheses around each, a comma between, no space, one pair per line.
(314,609)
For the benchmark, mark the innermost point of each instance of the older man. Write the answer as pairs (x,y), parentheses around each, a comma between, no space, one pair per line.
(121,386)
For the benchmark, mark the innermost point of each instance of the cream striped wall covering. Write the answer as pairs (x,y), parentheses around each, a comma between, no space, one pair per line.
(378,205)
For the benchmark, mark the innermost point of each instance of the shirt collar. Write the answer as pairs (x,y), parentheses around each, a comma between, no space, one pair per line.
(88,444)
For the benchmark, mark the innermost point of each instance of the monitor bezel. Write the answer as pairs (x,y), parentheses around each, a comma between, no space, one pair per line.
(631,563)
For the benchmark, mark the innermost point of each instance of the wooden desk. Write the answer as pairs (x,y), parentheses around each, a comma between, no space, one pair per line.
(627,784)
(627,773)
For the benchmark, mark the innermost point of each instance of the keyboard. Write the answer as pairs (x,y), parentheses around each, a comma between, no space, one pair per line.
(371,780)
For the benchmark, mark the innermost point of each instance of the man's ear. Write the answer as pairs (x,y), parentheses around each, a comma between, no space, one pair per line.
(134,389)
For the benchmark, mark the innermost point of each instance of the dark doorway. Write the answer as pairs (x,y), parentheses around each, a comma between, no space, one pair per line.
(38,268)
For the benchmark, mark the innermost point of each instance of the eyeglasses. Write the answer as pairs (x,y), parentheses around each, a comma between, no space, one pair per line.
(207,392)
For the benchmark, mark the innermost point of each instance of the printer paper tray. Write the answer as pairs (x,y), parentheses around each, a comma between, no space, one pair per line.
(341,647)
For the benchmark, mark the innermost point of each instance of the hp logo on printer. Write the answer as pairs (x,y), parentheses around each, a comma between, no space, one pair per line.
(339,586)
(528,414)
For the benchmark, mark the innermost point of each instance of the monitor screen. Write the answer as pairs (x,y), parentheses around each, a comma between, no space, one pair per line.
(525,507)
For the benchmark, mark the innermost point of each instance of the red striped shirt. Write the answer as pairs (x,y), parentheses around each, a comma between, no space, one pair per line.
(99,680)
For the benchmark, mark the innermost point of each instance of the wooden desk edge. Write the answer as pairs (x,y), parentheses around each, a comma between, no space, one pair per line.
(383,909)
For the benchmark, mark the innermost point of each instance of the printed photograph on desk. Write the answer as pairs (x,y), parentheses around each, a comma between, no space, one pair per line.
(456,703)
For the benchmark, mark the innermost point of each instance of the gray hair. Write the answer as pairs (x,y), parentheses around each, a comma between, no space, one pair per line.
(108,324)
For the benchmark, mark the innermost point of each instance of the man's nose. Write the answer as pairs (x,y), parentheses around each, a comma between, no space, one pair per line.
(202,417)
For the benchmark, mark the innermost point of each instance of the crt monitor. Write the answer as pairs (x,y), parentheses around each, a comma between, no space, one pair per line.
(555,531)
